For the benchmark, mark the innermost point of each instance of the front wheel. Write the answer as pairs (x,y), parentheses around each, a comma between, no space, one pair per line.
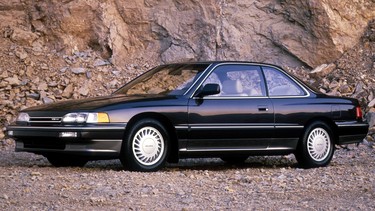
(145,147)
(316,147)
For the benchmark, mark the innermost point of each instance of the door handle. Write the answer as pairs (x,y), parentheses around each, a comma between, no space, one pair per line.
(262,109)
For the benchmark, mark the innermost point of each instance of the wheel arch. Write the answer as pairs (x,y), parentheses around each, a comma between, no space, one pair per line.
(173,143)
(325,120)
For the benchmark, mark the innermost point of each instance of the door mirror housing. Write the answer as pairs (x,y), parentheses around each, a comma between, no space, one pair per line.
(209,89)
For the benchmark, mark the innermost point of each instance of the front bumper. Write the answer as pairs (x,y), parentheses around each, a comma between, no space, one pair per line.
(100,141)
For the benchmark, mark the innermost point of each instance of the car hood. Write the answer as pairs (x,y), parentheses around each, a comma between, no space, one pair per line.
(94,103)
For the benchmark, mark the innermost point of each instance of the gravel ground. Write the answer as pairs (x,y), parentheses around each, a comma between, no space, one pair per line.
(29,182)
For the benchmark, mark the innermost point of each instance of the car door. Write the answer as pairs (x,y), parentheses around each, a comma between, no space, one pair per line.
(239,118)
(291,107)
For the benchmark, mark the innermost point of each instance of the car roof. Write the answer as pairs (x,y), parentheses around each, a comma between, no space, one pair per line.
(224,62)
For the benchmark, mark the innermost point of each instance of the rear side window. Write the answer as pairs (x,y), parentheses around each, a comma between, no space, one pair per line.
(279,84)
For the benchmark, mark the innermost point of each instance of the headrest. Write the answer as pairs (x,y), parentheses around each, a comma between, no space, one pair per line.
(232,87)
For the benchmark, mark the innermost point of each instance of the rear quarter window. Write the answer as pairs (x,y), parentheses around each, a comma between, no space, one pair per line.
(280,84)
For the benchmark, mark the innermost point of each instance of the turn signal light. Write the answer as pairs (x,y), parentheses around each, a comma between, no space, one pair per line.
(103,117)
(97,118)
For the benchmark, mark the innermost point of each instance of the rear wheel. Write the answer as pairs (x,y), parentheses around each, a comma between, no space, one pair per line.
(316,147)
(145,147)
(65,161)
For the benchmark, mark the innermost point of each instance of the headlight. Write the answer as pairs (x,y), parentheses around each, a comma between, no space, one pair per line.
(86,118)
(23,117)
(75,117)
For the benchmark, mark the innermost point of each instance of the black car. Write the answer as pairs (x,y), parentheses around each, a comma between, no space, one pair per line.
(229,110)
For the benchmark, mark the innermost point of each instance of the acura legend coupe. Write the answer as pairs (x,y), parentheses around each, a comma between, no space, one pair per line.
(230,110)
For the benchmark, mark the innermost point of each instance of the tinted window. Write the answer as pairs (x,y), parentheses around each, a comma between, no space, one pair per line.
(279,84)
(174,79)
(238,80)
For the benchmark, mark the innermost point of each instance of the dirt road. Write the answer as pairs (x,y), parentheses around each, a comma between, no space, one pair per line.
(29,182)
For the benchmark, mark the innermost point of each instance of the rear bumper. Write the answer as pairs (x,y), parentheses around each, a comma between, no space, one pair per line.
(352,139)
(351,132)
(96,141)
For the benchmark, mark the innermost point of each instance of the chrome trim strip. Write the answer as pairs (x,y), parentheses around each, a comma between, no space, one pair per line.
(232,127)
(44,121)
(68,150)
(105,140)
(65,128)
(97,150)
(230,98)
(25,149)
(288,96)
(288,126)
(234,149)
(352,125)
(239,126)
(47,117)
(181,127)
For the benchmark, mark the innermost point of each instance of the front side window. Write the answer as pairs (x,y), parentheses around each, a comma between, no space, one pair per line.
(237,80)
(173,79)
(279,84)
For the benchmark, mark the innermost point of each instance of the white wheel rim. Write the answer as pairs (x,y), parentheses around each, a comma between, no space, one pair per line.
(148,146)
(319,144)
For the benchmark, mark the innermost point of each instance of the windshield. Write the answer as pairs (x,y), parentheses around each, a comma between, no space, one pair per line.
(172,79)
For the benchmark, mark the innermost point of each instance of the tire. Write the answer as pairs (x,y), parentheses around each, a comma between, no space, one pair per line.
(316,147)
(234,159)
(145,147)
(66,161)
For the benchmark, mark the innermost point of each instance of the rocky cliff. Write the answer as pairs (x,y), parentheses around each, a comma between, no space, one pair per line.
(280,31)
(62,49)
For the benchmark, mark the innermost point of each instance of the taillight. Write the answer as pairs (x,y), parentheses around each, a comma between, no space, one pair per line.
(358,112)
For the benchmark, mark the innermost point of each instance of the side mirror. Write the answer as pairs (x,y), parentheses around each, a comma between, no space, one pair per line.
(209,89)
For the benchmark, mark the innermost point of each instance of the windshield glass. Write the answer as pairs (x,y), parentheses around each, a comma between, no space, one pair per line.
(174,79)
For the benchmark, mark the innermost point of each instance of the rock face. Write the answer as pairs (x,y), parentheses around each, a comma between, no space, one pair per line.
(284,32)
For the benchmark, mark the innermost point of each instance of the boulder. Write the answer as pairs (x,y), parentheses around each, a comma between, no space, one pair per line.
(47,100)
(68,91)
(323,70)
(20,53)
(35,96)
(370,116)
(101,62)
(371,104)
(84,90)
(14,81)
(23,37)
(78,70)
(43,86)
